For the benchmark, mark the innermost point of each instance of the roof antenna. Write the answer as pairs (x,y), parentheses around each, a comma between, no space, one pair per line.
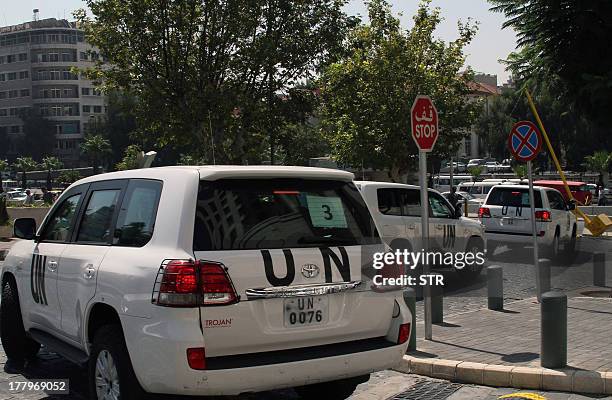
(35,11)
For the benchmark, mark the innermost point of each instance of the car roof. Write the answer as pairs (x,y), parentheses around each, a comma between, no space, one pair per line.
(386,184)
(506,186)
(569,183)
(215,172)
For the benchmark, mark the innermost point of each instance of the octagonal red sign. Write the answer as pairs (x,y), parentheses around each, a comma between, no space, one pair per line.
(424,123)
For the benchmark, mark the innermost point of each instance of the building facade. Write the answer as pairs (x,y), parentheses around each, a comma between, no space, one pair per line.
(38,60)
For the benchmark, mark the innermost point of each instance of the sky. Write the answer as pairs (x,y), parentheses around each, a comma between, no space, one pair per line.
(490,44)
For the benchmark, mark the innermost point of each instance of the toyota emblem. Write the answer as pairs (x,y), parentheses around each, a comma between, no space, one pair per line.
(310,270)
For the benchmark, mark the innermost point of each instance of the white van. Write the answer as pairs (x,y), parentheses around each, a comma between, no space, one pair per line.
(480,190)
(442,182)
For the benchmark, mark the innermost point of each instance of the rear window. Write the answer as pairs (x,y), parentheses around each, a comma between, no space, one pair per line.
(513,197)
(236,214)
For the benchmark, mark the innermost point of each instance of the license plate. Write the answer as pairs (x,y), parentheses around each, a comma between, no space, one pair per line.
(507,221)
(306,311)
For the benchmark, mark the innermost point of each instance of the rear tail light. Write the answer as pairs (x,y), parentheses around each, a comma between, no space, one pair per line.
(484,212)
(188,283)
(196,357)
(542,216)
(404,333)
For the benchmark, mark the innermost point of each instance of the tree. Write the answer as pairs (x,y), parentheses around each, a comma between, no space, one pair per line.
(213,59)
(4,217)
(39,136)
(520,171)
(95,147)
(568,40)
(130,158)
(475,172)
(599,162)
(50,164)
(24,165)
(3,167)
(68,177)
(368,93)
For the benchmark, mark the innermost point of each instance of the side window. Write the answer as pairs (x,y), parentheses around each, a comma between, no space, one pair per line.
(137,214)
(58,228)
(97,218)
(486,189)
(556,200)
(439,208)
(411,201)
(389,202)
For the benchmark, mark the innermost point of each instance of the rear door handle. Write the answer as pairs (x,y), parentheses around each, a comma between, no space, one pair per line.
(52,265)
(90,272)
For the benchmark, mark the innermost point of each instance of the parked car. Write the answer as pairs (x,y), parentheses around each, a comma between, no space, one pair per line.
(506,215)
(580,190)
(464,196)
(442,182)
(476,162)
(396,209)
(205,281)
(477,189)
(457,167)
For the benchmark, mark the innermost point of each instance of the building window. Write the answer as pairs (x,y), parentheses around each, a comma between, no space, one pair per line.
(15,129)
(97,92)
(54,38)
(13,93)
(23,56)
(82,56)
(86,108)
(2,60)
(24,74)
(3,112)
(10,59)
(97,109)
(25,92)
(54,75)
(2,95)
(12,76)
(85,91)
(2,77)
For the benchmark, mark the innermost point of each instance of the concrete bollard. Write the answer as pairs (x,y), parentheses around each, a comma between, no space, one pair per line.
(495,287)
(553,331)
(410,300)
(437,304)
(599,269)
(545,284)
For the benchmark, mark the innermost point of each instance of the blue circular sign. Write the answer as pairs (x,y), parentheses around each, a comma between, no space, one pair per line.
(525,141)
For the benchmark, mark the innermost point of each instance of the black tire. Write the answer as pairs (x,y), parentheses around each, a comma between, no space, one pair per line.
(334,390)
(474,270)
(17,345)
(109,340)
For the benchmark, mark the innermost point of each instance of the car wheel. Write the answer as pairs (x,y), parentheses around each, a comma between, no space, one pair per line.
(15,341)
(334,390)
(111,376)
(472,271)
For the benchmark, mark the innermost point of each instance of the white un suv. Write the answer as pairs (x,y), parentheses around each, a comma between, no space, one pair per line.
(206,281)
(506,215)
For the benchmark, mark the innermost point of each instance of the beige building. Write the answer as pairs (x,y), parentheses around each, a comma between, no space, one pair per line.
(36,75)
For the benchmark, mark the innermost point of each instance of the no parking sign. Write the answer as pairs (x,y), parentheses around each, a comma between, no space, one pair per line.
(525,141)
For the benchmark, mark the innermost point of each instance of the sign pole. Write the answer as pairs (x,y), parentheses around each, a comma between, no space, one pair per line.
(536,257)
(425,239)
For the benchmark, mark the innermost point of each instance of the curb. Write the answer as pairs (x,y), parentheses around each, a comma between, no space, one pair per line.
(562,380)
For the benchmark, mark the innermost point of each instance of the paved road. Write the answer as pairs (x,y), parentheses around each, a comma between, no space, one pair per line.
(568,274)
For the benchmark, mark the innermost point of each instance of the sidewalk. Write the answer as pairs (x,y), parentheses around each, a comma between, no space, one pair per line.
(502,348)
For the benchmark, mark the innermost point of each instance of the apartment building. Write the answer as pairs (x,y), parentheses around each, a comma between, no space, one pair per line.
(37,74)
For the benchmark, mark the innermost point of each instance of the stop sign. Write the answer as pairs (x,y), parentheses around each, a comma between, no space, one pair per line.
(424,121)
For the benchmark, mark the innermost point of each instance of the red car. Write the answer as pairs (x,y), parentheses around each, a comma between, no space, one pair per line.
(579,190)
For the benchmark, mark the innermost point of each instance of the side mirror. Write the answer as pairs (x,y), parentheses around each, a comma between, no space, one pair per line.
(25,228)
(458,213)
(571,206)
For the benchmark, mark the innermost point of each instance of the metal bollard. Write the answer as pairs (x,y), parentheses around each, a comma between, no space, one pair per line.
(437,304)
(553,334)
(544,272)
(495,287)
(599,269)
(410,300)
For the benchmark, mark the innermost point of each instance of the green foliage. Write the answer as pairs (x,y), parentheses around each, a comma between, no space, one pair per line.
(218,69)
(23,165)
(368,93)
(520,171)
(50,164)
(38,136)
(567,39)
(95,147)
(3,167)
(69,177)
(475,172)
(130,158)
(4,217)
(598,162)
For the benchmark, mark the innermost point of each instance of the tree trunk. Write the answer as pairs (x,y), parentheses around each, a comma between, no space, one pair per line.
(24,181)
(49,180)
(394,174)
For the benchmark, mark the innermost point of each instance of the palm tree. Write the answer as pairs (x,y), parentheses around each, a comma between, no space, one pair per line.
(50,164)
(599,162)
(3,167)
(23,165)
(95,147)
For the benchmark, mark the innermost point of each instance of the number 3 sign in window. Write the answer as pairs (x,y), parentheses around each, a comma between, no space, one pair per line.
(326,212)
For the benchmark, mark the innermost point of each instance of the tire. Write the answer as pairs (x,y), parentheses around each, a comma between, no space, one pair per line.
(334,390)
(570,246)
(109,364)
(471,272)
(17,345)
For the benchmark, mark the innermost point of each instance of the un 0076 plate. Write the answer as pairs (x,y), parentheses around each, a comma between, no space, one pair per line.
(306,311)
